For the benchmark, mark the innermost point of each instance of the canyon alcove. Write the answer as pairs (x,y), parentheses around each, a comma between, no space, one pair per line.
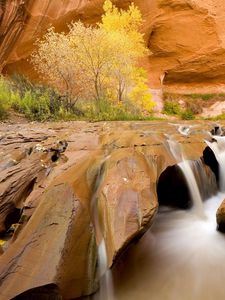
(112,149)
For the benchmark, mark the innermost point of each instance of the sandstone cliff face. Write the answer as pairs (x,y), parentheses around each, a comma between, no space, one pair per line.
(186,37)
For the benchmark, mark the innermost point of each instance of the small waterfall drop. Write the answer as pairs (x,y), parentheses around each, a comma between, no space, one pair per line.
(106,278)
(188,173)
(180,258)
(106,288)
(193,187)
(218,148)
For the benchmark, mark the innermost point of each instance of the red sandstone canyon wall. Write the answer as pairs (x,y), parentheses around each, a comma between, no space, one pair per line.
(186,37)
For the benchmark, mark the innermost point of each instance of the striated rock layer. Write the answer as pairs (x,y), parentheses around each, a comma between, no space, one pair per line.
(186,37)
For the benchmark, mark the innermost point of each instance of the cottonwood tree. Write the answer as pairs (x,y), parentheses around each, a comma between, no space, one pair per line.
(56,63)
(95,62)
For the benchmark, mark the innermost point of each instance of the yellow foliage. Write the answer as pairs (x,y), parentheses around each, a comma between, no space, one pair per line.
(140,93)
(126,22)
(97,62)
(2,242)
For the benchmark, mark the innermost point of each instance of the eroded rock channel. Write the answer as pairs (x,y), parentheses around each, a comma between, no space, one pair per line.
(69,190)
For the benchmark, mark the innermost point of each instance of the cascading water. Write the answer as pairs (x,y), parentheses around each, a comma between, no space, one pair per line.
(180,258)
(193,187)
(218,147)
(104,273)
(185,167)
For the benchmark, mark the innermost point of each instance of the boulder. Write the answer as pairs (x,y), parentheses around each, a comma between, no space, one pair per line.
(56,249)
(220,217)
(126,201)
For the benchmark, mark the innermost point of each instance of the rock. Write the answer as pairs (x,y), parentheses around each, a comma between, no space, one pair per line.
(17,182)
(126,201)
(52,250)
(172,189)
(210,160)
(182,55)
(220,217)
(105,189)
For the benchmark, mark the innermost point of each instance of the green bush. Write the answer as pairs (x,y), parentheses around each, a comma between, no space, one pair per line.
(207,97)
(187,115)
(171,108)
(106,110)
(5,99)
(3,112)
(33,106)
(41,103)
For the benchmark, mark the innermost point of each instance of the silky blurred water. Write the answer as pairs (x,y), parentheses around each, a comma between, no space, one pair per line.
(180,258)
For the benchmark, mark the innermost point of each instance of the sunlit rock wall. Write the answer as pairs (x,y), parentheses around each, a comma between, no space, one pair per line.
(186,37)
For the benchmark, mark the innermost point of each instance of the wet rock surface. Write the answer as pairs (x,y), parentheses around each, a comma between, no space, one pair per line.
(65,188)
(220,217)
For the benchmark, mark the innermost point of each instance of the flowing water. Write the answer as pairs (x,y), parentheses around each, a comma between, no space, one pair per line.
(188,173)
(218,147)
(182,255)
(193,188)
(106,279)
(180,258)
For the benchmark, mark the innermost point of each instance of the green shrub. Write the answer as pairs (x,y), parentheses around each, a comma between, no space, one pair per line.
(33,106)
(5,98)
(171,108)
(3,112)
(220,117)
(194,96)
(41,103)
(205,97)
(187,115)
(106,110)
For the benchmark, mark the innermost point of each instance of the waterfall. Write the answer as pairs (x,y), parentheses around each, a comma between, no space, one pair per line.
(180,258)
(193,187)
(188,173)
(106,279)
(205,178)
(218,148)
(106,289)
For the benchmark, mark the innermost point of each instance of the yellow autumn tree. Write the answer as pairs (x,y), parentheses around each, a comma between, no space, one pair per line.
(96,62)
(140,94)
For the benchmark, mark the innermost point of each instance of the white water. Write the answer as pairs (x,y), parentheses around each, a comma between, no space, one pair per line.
(180,258)
(106,290)
(219,150)
(193,188)
(176,151)
(105,274)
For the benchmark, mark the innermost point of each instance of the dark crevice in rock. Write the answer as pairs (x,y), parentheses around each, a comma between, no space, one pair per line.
(47,292)
(221,227)
(15,213)
(13,217)
(172,189)
(211,161)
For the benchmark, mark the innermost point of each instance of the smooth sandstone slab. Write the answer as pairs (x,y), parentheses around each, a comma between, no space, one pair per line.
(126,201)
(57,247)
